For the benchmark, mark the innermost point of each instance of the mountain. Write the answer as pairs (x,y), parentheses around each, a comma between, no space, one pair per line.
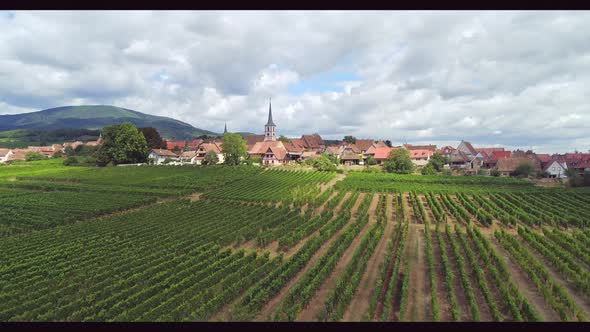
(96,117)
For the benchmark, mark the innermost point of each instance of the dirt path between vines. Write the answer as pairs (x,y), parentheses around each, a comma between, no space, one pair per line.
(359,306)
(332,182)
(525,286)
(317,302)
(462,302)
(273,304)
(579,299)
(419,297)
(444,305)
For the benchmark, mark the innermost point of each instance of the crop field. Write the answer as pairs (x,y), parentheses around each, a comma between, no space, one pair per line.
(249,244)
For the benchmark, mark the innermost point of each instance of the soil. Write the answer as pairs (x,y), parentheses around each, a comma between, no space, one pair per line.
(526,287)
(444,306)
(359,306)
(579,299)
(268,309)
(484,310)
(462,302)
(317,302)
(419,297)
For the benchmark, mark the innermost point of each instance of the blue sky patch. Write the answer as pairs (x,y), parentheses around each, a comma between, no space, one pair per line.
(326,81)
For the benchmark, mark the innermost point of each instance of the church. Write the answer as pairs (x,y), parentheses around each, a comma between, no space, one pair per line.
(270,150)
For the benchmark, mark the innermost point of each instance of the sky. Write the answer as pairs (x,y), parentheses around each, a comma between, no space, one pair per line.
(494,78)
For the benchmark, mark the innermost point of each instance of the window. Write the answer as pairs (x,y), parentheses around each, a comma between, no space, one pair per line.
(553,168)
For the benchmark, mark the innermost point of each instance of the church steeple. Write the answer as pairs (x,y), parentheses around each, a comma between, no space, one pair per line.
(269,127)
(225,128)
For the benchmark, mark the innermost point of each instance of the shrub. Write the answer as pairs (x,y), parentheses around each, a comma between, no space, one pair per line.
(32,156)
(428,170)
(71,161)
(495,172)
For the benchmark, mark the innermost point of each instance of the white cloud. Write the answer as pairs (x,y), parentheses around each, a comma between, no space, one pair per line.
(518,79)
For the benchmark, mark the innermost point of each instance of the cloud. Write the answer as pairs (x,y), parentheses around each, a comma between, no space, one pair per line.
(517,79)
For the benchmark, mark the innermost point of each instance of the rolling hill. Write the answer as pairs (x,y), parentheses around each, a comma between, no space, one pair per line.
(96,117)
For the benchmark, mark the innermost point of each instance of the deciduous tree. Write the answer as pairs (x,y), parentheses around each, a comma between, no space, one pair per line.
(122,143)
(233,147)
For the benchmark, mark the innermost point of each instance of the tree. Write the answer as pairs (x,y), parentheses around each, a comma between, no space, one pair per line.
(32,156)
(186,146)
(57,154)
(323,163)
(210,158)
(438,161)
(122,143)
(399,161)
(388,143)
(233,147)
(524,169)
(495,172)
(284,139)
(349,139)
(176,149)
(371,160)
(575,180)
(428,170)
(153,138)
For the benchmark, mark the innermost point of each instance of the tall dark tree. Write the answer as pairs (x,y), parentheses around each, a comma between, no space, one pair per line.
(153,138)
(388,143)
(349,139)
(122,144)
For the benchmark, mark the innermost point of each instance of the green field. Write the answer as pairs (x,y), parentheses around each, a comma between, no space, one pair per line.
(218,243)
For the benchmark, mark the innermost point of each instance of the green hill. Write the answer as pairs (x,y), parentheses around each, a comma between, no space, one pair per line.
(96,117)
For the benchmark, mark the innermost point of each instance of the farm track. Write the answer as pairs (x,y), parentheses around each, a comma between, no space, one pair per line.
(272,305)
(580,300)
(528,290)
(359,306)
(443,300)
(419,298)
(315,304)
(462,302)
(484,309)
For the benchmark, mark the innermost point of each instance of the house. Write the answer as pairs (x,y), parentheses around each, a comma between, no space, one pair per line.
(364,144)
(492,160)
(446,151)
(170,145)
(17,154)
(350,158)
(294,151)
(270,152)
(198,157)
(380,154)
(188,157)
(507,166)
(420,157)
(309,155)
(313,143)
(251,140)
(47,151)
(487,152)
(72,145)
(333,151)
(429,147)
(160,155)
(5,155)
(555,169)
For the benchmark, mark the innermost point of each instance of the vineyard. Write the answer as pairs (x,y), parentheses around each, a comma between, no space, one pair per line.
(250,244)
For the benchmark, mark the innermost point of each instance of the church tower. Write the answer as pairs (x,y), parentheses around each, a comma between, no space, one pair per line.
(269,127)
(225,128)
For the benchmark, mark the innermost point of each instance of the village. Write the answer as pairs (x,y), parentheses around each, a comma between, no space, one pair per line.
(268,150)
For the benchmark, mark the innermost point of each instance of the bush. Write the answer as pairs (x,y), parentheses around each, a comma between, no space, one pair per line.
(57,154)
(447,172)
(495,173)
(32,156)
(371,161)
(524,169)
(428,170)
(482,171)
(71,161)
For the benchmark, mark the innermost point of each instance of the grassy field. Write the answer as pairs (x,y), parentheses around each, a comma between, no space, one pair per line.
(222,244)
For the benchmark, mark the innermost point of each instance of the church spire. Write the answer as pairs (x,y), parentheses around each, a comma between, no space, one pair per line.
(225,128)
(269,122)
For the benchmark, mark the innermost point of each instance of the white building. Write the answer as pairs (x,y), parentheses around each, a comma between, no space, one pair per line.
(159,155)
(4,155)
(556,169)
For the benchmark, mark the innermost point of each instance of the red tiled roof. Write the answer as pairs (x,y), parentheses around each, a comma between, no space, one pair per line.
(544,158)
(292,148)
(195,143)
(164,153)
(312,141)
(332,150)
(298,142)
(350,156)
(510,164)
(3,152)
(415,154)
(276,147)
(18,154)
(500,155)
(364,144)
(420,147)
(488,151)
(470,148)
(206,147)
(352,147)
(171,144)
(448,148)
(380,153)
